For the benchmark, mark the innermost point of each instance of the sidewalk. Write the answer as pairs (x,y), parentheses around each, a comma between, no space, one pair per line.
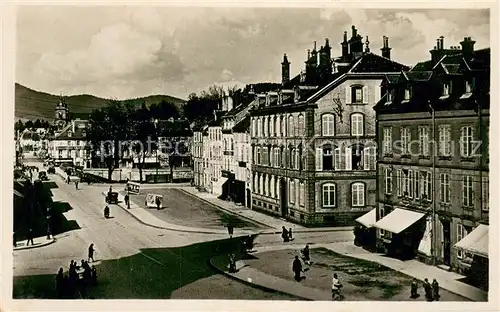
(145,217)
(39,242)
(413,268)
(255,216)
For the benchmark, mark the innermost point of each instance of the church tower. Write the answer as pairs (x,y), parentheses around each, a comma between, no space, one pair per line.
(61,114)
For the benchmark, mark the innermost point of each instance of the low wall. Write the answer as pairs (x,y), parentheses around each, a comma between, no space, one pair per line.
(148,175)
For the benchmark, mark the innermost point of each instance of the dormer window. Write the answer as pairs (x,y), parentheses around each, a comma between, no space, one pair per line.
(268,100)
(407,94)
(389,96)
(446,88)
(70,133)
(468,86)
(357,94)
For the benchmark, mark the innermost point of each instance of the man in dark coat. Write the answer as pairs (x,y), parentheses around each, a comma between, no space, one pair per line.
(91,252)
(284,235)
(435,290)
(428,290)
(297,268)
(158,203)
(414,289)
(59,283)
(127,201)
(30,238)
(305,255)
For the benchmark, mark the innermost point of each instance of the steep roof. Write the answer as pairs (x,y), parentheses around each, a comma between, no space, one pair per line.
(243,125)
(75,130)
(374,63)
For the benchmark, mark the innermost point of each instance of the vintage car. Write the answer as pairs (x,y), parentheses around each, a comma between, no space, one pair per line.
(112,198)
(42,175)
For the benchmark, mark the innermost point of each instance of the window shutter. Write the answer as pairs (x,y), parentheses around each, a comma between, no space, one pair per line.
(319,159)
(378,91)
(348,158)
(336,158)
(348,95)
(362,194)
(365,94)
(366,160)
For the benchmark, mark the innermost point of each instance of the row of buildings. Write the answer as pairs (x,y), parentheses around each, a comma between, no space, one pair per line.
(362,139)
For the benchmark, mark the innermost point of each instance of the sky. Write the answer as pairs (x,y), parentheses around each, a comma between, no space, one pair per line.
(125,52)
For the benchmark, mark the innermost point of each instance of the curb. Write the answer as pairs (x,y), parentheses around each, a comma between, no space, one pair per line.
(257,286)
(53,240)
(228,211)
(174,229)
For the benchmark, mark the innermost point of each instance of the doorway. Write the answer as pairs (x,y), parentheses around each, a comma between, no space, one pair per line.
(446,242)
(283,198)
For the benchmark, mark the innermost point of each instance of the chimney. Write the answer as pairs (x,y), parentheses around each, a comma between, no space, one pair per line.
(285,70)
(386,50)
(345,47)
(308,54)
(367,45)
(467,48)
(314,48)
(354,31)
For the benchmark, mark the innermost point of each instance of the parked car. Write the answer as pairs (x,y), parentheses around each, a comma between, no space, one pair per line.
(112,198)
(42,175)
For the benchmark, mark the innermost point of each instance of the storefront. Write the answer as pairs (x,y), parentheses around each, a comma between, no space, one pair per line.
(405,232)
(364,233)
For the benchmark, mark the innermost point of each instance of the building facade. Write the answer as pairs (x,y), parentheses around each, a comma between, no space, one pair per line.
(433,124)
(70,145)
(313,139)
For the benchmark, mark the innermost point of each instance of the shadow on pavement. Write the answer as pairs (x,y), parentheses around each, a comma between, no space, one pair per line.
(151,274)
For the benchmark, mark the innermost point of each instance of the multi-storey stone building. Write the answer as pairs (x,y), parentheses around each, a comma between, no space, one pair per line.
(313,139)
(70,145)
(433,159)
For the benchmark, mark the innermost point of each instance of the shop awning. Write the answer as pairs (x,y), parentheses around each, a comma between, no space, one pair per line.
(369,218)
(221,181)
(398,220)
(475,242)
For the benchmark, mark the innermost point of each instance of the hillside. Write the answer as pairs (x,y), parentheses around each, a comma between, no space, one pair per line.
(31,104)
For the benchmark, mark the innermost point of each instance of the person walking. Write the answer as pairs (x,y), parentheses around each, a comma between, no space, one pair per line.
(435,290)
(290,235)
(336,285)
(230,230)
(305,255)
(297,268)
(427,290)
(91,252)
(284,234)
(59,283)
(30,237)
(158,203)
(76,184)
(68,180)
(414,289)
(127,201)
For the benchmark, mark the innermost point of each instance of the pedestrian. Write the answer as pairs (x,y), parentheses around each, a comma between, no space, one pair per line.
(305,255)
(297,268)
(284,234)
(414,289)
(435,290)
(230,230)
(93,275)
(49,233)
(290,236)
(14,238)
(336,285)
(158,203)
(91,252)
(59,283)
(76,184)
(232,263)
(427,290)
(68,179)
(127,201)
(30,237)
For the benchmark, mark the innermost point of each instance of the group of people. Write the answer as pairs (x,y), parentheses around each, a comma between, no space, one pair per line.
(78,278)
(286,234)
(431,290)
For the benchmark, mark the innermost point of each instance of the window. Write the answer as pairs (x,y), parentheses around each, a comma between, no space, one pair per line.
(445,140)
(407,94)
(302,194)
(388,180)
(292,158)
(255,183)
(272,191)
(405,140)
(468,193)
(387,141)
(357,94)
(369,157)
(70,133)
(266,190)
(469,85)
(357,124)
(291,127)
(265,127)
(327,157)
(292,191)
(356,157)
(277,126)
(462,231)
(258,156)
(466,141)
(283,126)
(337,158)
(444,188)
(328,125)
(283,156)
(301,126)
(263,130)
(425,185)
(277,159)
(329,195)
(447,89)
(410,182)
(486,193)
(270,126)
(423,137)
(389,96)
(358,194)
(399,182)
(259,127)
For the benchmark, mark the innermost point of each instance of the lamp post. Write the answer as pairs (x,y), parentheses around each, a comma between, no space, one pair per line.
(433,216)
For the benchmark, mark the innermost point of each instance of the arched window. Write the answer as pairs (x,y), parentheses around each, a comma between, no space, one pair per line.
(357,124)
(292,158)
(327,157)
(329,195)
(291,127)
(328,125)
(301,127)
(283,126)
(369,158)
(300,157)
(358,194)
